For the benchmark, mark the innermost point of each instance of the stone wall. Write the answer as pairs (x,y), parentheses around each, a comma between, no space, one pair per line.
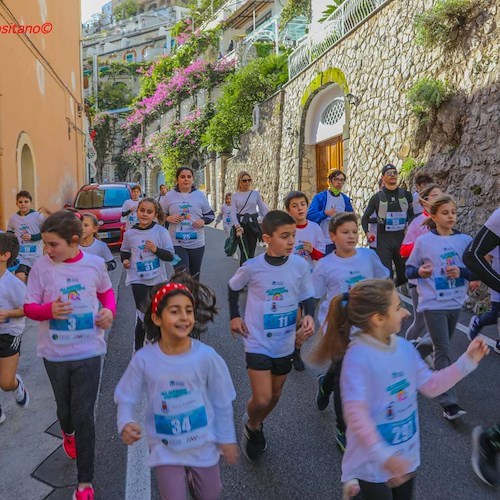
(380,61)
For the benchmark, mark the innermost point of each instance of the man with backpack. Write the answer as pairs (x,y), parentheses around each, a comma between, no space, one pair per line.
(393,207)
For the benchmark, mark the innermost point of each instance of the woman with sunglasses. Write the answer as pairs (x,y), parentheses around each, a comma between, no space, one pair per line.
(244,204)
(327,203)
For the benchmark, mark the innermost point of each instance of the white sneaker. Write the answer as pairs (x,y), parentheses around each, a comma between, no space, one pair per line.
(21,394)
(2,415)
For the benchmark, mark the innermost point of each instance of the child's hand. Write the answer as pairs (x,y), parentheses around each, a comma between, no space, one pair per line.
(477,349)
(104,318)
(397,467)
(131,433)
(307,326)
(453,272)
(126,264)
(230,453)
(300,338)
(4,315)
(26,237)
(60,309)
(474,285)
(174,219)
(425,270)
(307,245)
(238,326)
(151,246)
(331,212)
(198,224)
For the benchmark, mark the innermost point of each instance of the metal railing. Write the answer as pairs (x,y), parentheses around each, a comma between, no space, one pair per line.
(344,20)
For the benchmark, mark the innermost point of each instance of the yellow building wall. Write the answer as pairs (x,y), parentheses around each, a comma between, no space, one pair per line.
(40,104)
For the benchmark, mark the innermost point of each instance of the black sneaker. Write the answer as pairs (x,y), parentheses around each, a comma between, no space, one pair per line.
(484,457)
(341,440)
(497,347)
(322,397)
(298,364)
(2,416)
(473,328)
(452,412)
(253,442)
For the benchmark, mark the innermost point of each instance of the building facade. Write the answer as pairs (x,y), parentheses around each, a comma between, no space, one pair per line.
(41,104)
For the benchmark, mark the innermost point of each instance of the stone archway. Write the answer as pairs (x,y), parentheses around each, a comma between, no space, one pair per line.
(26,165)
(324,129)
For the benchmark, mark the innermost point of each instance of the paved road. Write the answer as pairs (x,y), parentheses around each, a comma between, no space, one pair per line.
(302,461)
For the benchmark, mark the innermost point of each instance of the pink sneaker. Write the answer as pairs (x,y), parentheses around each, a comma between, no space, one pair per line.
(69,446)
(85,494)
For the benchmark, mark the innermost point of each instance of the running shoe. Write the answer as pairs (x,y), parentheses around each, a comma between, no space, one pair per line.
(341,440)
(253,442)
(497,347)
(298,364)
(85,494)
(322,397)
(452,412)
(69,447)
(2,416)
(484,457)
(21,394)
(473,328)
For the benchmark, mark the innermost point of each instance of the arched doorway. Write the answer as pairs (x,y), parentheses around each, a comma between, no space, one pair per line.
(26,165)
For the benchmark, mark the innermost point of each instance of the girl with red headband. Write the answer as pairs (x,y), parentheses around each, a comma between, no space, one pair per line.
(189,415)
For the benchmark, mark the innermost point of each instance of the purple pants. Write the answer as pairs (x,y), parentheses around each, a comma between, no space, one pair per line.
(203,482)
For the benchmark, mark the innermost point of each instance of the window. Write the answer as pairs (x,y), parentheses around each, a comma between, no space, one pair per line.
(101,198)
(333,112)
(130,58)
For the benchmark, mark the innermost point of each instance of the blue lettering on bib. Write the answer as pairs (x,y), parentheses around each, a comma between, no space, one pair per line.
(182,423)
(75,322)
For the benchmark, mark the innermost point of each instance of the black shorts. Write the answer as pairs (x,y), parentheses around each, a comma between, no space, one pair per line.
(261,362)
(23,268)
(9,345)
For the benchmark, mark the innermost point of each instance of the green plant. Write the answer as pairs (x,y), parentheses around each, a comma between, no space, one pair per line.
(242,90)
(408,167)
(294,8)
(427,95)
(103,126)
(441,24)
(126,9)
(331,9)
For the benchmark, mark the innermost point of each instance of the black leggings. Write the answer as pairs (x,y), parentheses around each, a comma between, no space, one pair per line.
(191,259)
(388,246)
(142,296)
(331,383)
(380,491)
(75,385)
(249,239)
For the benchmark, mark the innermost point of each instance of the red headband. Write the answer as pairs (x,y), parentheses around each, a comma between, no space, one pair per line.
(165,290)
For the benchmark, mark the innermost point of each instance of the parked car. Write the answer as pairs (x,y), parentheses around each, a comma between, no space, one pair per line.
(105,202)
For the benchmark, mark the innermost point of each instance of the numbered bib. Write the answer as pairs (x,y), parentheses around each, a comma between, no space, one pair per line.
(279,319)
(447,289)
(27,249)
(185,231)
(148,268)
(78,327)
(181,419)
(132,218)
(395,221)
(398,433)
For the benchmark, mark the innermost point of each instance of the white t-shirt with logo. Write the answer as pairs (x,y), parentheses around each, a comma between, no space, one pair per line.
(98,247)
(336,202)
(334,275)
(191,207)
(31,223)
(273,297)
(313,234)
(131,219)
(78,283)
(146,268)
(225,216)
(438,292)
(12,293)
(189,404)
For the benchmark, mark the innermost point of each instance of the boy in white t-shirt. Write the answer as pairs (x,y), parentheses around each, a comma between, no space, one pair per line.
(12,292)
(309,244)
(129,208)
(26,225)
(277,281)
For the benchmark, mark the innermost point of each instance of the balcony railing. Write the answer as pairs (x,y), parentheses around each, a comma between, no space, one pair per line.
(344,20)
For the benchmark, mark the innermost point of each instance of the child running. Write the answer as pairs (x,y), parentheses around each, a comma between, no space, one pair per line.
(12,292)
(381,377)
(337,273)
(64,292)
(437,263)
(145,249)
(277,281)
(26,224)
(129,208)
(225,217)
(91,244)
(189,415)
(309,244)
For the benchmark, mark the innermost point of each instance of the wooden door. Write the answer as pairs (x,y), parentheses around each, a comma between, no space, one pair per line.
(329,156)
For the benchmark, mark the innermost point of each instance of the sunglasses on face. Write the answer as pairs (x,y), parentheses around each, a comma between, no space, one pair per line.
(246,180)
(391,173)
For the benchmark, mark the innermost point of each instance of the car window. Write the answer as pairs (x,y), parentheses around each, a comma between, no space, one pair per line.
(101,198)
